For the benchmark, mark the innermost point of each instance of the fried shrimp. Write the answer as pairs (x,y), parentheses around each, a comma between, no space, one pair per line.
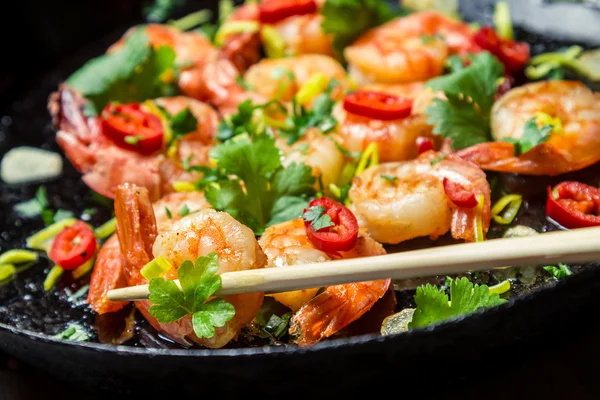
(412,48)
(413,201)
(286,244)
(573,143)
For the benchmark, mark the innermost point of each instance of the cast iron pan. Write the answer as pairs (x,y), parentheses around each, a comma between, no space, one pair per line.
(456,353)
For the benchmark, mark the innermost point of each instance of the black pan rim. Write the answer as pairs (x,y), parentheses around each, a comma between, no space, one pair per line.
(329,345)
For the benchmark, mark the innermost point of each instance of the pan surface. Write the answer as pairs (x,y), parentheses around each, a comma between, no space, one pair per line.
(457,351)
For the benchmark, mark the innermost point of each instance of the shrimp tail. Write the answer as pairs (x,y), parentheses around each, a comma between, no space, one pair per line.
(136,228)
(543,159)
(108,274)
(334,309)
(76,132)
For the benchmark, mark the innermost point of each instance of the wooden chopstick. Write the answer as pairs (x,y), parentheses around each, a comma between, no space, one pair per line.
(574,246)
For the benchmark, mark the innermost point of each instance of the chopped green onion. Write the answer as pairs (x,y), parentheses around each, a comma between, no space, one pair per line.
(191,20)
(500,288)
(559,272)
(235,27)
(273,42)
(502,20)
(18,257)
(543,64)
(181,186)
(74,332)
(156,268)
(106,229)
(369,158)
(53,277)
(545,119)
(479,236)
(43,239)
(315,85)
(134,140)
(7,271)
(511,203)
(84,269)
(335,190)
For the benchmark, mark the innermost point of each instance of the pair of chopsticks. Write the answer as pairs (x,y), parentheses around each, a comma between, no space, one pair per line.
(574,246)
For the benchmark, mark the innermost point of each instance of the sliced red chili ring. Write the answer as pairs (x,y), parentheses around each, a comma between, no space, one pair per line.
(459,195)
(132,128)
(514,55)
(342,236)
(574,205)
(377,105)
(272,11)
(424,144)
(73,246)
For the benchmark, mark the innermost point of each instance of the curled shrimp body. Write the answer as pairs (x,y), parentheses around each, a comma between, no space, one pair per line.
(316,318)
(109,268)
(194,235)
(411,48)
(575,146)
(105,165)
(282,78)
(415,204)
(396,139)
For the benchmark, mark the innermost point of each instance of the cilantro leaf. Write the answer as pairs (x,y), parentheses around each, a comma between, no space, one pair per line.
(184,210)
(317,217)
(182,123)
(319,116)
(256,189)
(348,19)
(277,326)
(466,298)
(198,281)
(465,115)
(239,123)
(131,74)
(559,272)
(532,137)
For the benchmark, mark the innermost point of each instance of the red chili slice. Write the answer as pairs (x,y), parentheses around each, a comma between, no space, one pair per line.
(424,144)
(377,105)
(340,237)
(459,195)
(576,205)
(272,11)
(73,246)
(131,127)
(514,55)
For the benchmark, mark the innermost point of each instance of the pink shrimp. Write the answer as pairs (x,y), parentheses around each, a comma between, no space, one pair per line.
(397,139)
(196,234)
(415,204)
(573,146)
(412,48)
(316,318)
(105,165)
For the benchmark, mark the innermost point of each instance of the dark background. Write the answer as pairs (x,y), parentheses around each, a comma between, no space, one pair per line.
(39,35)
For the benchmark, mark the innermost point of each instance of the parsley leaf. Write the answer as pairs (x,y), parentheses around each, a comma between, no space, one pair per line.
(465,116)
(466,298)
(532,136)
(319,220)
(133,73)
(301,120)
(199,281)
(348,19)
(256,189)
(559,272)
